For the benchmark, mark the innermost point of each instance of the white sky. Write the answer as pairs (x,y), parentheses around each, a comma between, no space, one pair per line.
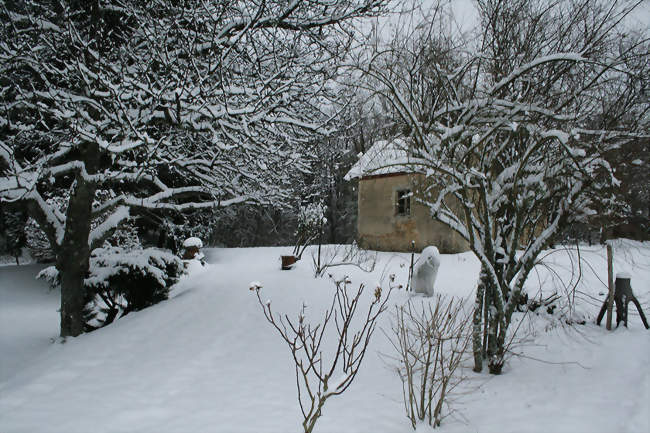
(642,15)
(465,14)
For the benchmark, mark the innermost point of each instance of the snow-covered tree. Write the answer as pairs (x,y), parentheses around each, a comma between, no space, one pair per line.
(166,105)
(504,133)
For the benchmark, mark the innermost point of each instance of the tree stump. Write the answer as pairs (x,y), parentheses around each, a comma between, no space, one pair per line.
(622,296)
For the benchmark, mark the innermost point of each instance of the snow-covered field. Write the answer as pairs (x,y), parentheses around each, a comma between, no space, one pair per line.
(207,361)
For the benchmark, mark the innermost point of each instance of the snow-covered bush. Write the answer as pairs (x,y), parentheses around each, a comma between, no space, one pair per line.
(173,231)
(311,220)
(122,280)
(37,243)
(50,275)
(125,236)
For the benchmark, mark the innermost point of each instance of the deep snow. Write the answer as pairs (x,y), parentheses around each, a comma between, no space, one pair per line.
(206,360)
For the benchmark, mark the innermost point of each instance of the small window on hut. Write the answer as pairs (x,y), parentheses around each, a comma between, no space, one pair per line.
(404,202)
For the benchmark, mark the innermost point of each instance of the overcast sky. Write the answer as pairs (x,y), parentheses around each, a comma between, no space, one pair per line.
(465,15)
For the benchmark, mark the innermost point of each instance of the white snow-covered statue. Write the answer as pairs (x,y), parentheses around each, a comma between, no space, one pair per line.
(425,271)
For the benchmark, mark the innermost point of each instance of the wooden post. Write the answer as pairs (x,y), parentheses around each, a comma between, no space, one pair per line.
(610,283)
(408,284)
(320,242)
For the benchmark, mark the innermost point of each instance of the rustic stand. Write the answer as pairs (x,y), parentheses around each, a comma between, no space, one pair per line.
(622,297)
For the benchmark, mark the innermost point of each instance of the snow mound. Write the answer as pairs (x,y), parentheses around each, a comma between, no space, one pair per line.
(193,242)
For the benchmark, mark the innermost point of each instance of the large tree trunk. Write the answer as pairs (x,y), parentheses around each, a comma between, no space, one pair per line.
(73,258)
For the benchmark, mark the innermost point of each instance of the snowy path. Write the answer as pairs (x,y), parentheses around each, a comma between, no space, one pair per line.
(28,317)
(206,361)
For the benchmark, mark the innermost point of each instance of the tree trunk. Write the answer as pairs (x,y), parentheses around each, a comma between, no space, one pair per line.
(499,321)
(73,258)
(492,326)
(486,319)
(478,322)
(333,206)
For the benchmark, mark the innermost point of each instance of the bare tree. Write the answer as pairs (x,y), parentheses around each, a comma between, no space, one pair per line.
(327,368)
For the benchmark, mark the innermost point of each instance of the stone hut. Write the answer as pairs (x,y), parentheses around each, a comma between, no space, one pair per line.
(389,215)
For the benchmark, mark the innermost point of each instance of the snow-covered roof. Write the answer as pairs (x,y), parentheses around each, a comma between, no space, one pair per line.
(384,157)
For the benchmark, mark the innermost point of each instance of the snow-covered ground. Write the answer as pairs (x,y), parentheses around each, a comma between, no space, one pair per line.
(207,361)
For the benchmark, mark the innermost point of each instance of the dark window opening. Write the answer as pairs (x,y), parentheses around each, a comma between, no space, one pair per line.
(404,202)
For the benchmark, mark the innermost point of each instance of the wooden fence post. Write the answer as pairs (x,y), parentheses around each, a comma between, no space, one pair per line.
(408,284)
(610,282)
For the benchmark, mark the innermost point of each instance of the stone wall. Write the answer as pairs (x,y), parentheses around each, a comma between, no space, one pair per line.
(381,228)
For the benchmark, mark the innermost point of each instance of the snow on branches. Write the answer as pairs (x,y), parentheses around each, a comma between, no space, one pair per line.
(512,134)
(171,108)
(213,122)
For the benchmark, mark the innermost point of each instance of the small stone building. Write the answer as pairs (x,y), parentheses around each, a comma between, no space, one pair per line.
(389,215)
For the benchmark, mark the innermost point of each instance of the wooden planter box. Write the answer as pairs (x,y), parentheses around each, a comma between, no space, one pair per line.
(288,262)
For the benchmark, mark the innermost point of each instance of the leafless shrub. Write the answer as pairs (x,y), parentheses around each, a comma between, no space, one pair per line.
(320,377)
(343,255)
(430,341)
(565,281)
